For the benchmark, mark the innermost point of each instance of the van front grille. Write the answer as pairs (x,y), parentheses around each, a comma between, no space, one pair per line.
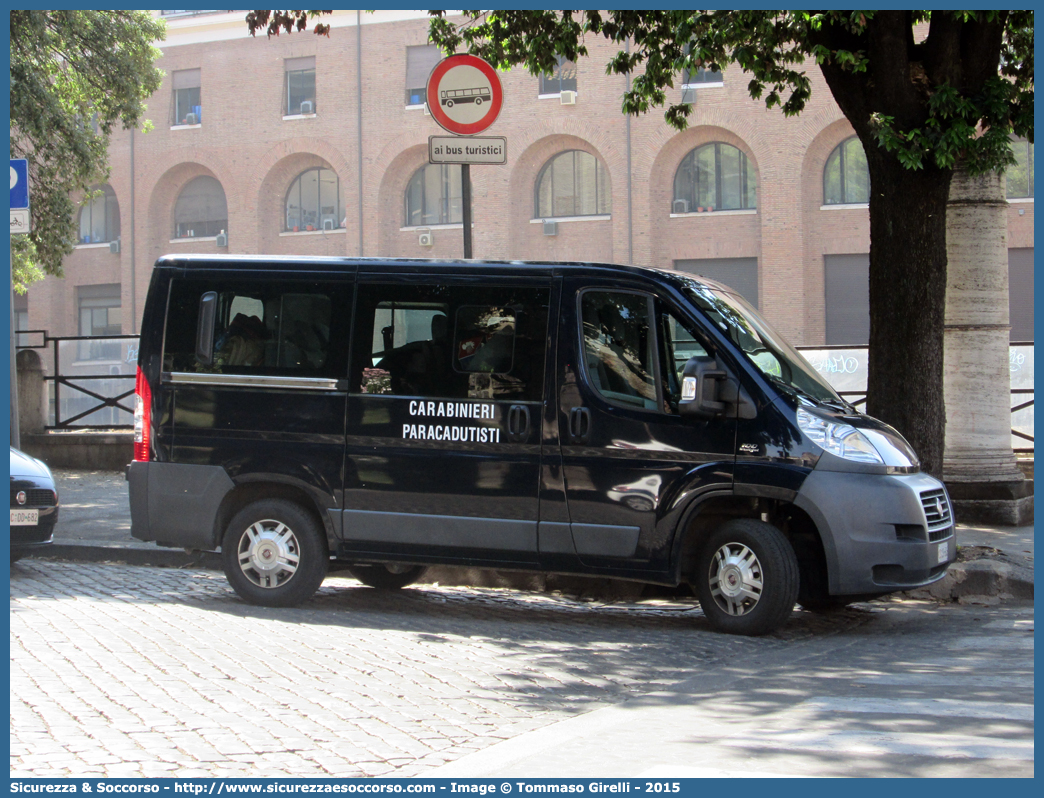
(936,511)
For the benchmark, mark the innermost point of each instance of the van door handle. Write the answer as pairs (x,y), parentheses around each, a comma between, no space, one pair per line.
(518,423)
(579,424)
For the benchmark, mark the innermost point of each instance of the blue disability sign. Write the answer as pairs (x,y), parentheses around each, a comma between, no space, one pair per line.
(19,183)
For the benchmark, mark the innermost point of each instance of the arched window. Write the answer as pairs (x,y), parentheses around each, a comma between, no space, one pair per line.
(572,183)
(715,176)
(201,210)
(434,196)
(100,218)
(314,201)
(846,179)
(1020,174)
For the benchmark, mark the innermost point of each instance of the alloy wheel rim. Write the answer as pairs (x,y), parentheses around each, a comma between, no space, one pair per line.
(269,554)
(736,579)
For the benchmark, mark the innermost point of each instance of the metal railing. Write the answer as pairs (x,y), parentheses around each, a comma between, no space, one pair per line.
(81,394)
(844,368)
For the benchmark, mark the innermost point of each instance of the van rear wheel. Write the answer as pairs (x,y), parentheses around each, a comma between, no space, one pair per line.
(273,554)
(387,576)
(747,577)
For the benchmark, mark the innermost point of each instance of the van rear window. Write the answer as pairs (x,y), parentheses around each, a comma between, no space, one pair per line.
(261,327)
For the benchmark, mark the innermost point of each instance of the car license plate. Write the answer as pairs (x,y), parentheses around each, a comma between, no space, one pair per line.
(25,517)
(944,553)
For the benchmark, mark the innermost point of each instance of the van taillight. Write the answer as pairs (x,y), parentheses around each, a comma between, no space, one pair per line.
(142,417)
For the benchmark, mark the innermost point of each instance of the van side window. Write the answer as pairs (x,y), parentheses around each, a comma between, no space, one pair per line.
(620,347)
(453,342)
(679,345)
(261,327)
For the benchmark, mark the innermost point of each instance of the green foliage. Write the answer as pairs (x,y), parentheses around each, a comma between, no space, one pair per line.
(74,76)
(274,21)
(948,106)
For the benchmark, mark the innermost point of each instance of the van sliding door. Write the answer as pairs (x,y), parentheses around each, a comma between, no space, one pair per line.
(443,447)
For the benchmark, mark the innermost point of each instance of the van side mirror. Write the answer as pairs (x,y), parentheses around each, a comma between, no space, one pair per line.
(205,328)
(708,391)
(701,381)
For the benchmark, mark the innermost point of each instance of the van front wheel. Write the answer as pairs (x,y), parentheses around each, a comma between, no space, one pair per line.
(273,554)
(388,576)
(747,577)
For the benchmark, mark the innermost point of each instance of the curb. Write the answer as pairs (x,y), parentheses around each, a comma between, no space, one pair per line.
(989,580)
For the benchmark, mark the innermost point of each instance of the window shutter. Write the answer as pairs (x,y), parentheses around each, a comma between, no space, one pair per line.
(187,79)
(419,63)
(740,274)
(847,289)
(1020,293)
(297,64)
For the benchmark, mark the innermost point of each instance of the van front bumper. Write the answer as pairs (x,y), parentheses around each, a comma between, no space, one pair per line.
(880,533)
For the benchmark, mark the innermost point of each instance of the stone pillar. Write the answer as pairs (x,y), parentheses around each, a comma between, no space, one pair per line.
(32,415)
(979,466)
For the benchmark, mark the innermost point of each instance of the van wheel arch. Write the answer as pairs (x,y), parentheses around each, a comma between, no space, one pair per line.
(246,493)
(703,518)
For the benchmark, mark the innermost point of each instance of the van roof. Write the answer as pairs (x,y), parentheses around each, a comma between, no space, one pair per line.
(335,264)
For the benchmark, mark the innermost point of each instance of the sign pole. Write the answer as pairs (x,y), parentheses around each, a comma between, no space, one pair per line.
(20,223)
(16,433)
(464,96)
(465,180)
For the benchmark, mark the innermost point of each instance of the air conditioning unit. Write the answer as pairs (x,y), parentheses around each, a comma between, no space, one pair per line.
(568,98)
(222,239)
(328,224)
(191,119)
(114,247)
(426,239)
(550,228)
(308,107)
(680,206)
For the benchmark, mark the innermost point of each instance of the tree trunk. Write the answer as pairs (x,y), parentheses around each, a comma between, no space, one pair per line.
(907,301)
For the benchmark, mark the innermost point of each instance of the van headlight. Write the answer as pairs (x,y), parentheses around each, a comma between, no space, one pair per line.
(840,439)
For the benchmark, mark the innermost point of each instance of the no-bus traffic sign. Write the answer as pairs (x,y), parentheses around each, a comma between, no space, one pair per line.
(464,94)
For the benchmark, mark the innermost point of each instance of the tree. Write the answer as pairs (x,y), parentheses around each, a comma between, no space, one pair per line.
(921,89)
(74,75)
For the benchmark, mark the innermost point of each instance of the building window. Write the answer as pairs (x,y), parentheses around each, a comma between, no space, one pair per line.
(201,210)
(1020,175)
(186,107)
(314,201)
(691,81)
(846,179)
(563,78)
(434,196)
(100,218)
(714,177)
(419,63)
(99,309)
(299,93)
(572,183)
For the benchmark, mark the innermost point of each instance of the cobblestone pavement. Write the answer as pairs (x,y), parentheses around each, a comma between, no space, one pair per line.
(124,671)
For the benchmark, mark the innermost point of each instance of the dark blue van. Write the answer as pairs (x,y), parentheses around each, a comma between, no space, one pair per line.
(386,415)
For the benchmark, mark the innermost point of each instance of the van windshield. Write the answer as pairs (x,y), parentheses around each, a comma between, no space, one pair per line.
(764,347)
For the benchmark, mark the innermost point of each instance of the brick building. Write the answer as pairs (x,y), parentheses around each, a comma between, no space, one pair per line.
(307,145)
